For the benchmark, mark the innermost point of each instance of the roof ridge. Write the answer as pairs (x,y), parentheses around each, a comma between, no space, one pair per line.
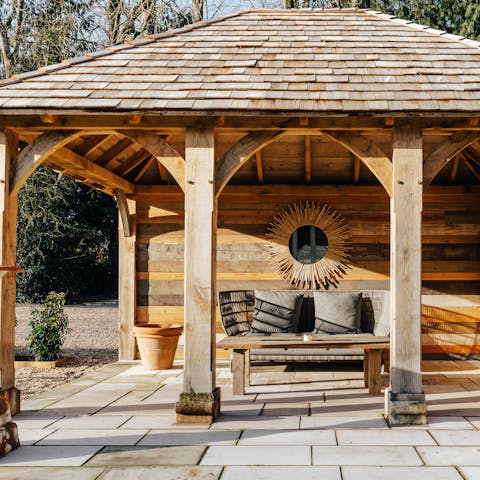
(424,28)
(87,57)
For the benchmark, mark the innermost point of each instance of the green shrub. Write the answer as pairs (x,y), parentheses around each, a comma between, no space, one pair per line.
(49,328)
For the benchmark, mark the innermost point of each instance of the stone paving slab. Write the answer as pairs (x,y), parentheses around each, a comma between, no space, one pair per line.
(145,456)
(470,473)
(457,437)
(252,455)
(283,409)
(468,456)
(34,421)
(93,437)
(475,421)
(288,437)
(344,409)
(58,456)
(161,422)
(225,422)
(163,473)
(90,422)
(30,436)
(49,473)
(342,422)
(281,473)
(190,437)
(239,408)
(365,455)
(400,473)
(385,437)
(282,397)
(137,408)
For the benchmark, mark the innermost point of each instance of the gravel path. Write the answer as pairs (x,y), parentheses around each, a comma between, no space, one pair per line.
(92,342)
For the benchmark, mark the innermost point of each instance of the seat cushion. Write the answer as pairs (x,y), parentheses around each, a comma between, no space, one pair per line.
(276,311)
(337,312)
(305,354)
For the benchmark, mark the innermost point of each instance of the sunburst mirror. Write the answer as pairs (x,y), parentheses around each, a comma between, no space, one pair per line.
(309,245)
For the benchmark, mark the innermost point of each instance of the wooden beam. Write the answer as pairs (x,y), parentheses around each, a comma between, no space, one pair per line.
(35,153)
(240,152)
(97,146)
(124,213)
(127,283)
(258,156)
(8,224)
(356,170)
(163,172)
(444,152)
(109,160)
(308,160)
(405,261)
(144,169)
(48,118)
(162,151)
(466,153)
(75,164)
(454,171)
(132,163)
(200,262)
(369,153)
(471,168)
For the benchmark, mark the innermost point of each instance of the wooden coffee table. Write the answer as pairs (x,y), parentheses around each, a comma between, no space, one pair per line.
(241,347)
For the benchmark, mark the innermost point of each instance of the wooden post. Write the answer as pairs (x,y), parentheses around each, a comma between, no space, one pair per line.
(200,400)
(405,402)
(9,395)
(127,291)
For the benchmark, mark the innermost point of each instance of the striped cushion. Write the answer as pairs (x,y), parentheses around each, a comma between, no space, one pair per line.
(276,311)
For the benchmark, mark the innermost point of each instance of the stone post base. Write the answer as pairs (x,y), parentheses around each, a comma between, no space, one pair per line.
(198,407)
(405,408)
(8,430)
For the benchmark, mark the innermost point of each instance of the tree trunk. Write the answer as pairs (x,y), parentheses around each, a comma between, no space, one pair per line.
(197,10)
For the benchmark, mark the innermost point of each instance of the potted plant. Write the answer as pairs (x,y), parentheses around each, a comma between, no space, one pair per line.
(49,327)
(157,344)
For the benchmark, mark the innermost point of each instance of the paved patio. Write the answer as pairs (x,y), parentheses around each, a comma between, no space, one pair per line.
(306,423)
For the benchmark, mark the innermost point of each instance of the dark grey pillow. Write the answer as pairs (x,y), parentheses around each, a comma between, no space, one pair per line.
(276,311)
(337,312)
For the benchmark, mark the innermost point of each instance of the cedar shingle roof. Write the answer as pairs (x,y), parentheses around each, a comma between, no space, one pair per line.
(290,60)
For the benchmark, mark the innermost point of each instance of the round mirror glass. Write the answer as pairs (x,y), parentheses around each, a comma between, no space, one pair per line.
(308,244)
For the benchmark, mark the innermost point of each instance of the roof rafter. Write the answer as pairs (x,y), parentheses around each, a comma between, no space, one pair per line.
(75,164)
(444,152)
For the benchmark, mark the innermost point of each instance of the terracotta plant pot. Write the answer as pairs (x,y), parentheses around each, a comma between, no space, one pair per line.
(157,344)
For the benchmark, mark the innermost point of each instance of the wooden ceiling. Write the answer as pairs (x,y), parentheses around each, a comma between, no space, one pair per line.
(294,159)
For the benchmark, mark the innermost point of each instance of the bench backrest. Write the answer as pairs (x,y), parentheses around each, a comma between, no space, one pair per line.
(237,308)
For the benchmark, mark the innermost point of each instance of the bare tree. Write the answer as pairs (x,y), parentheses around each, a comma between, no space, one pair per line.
(11,19)
(197,10)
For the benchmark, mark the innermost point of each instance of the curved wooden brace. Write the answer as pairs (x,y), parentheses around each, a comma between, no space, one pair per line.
(444,152)
(369,153)
(240,152)
(161,150)
(35,153)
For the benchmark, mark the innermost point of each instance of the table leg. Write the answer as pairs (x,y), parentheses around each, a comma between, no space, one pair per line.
(238,370)
(365,367)
(374,372)
(247,368)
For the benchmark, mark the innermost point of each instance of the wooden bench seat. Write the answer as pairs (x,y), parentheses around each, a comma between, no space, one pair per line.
(237,312)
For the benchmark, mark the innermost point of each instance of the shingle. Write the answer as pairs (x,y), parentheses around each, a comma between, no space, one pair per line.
(323,60)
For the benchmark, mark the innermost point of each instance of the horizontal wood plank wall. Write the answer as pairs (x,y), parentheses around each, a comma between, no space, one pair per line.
(451,252)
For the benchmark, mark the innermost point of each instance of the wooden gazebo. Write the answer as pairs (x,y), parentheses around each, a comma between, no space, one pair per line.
(206,133)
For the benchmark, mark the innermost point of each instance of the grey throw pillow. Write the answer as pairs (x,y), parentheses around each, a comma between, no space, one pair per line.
(276,311)
(337,312)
